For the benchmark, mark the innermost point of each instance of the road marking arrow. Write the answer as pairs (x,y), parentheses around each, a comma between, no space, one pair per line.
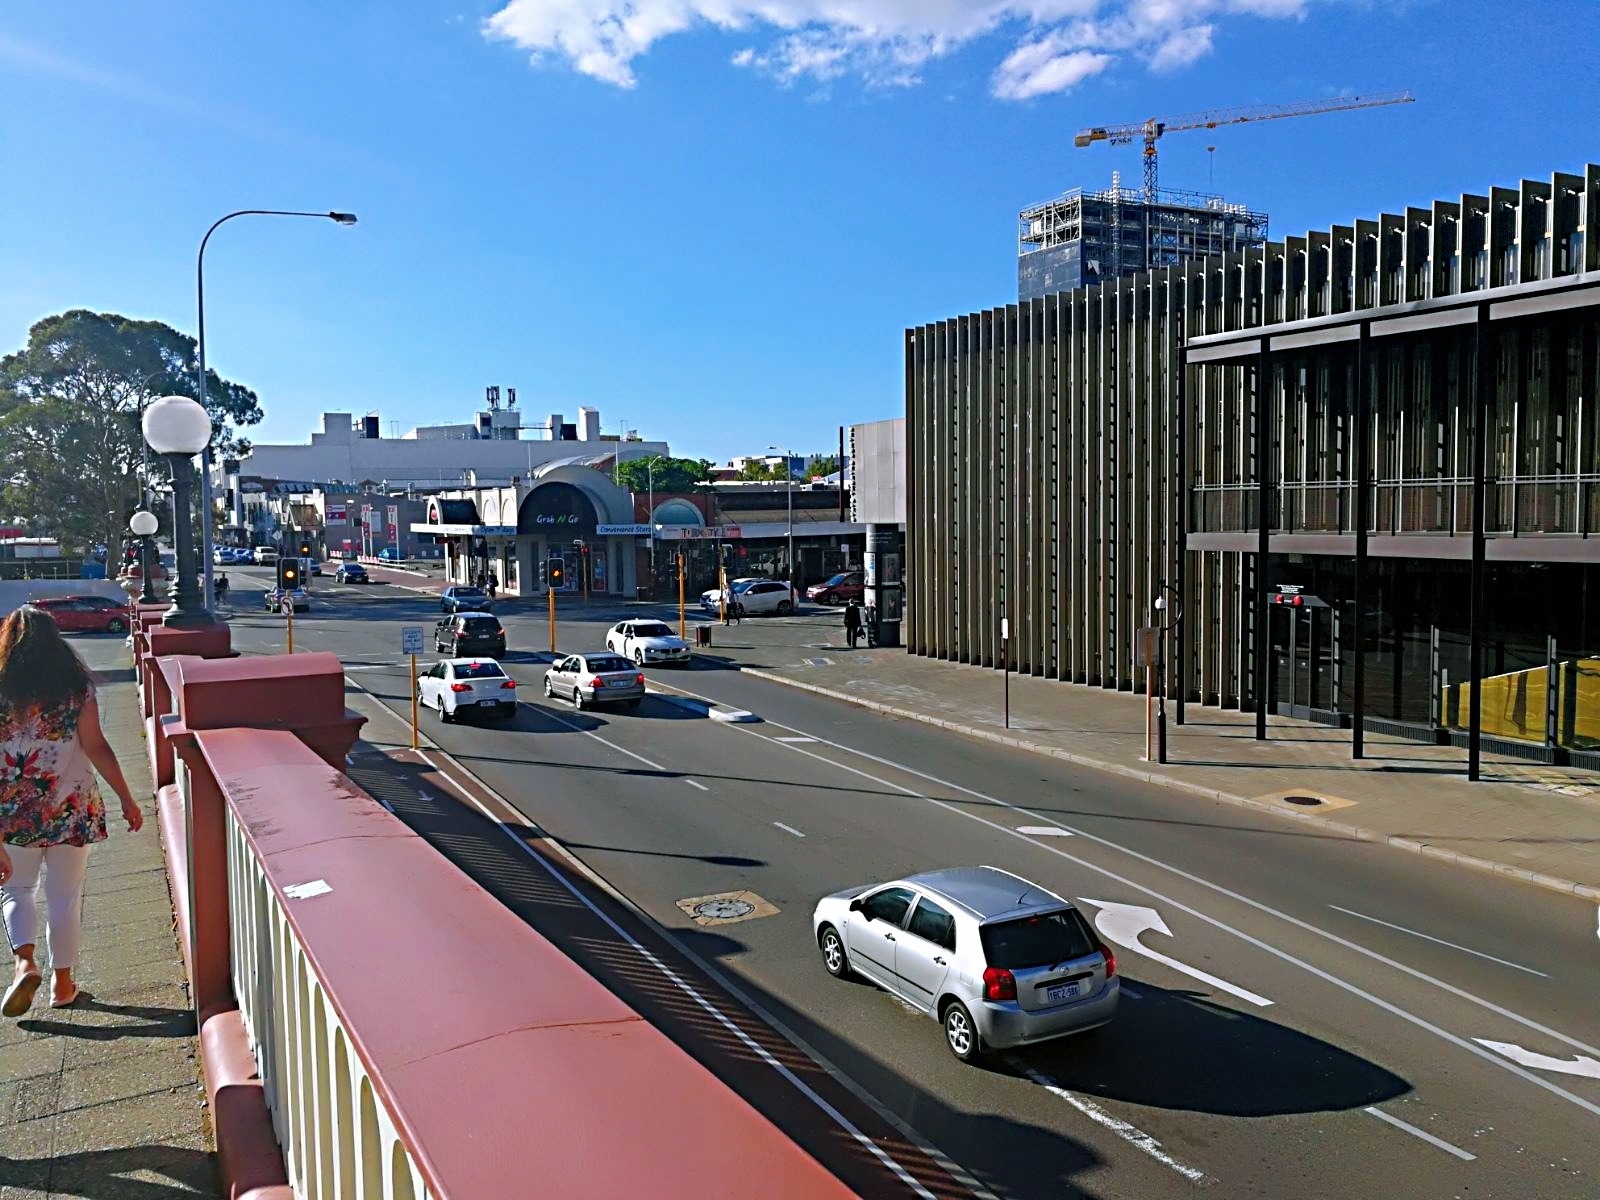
(1123,923)
(1581,1064)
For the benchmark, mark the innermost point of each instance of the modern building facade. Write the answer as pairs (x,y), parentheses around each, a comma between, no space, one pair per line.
(1361,464)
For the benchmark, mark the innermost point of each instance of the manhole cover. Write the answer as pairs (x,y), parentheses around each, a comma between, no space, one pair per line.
(723,910)
(1303,801)
(726,908)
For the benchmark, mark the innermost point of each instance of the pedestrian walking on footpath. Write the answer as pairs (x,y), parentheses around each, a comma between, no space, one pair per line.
(492,585)
(51,810)
(852,622)
(730,607)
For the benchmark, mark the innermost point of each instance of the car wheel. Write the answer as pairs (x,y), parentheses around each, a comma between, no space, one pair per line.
(785,608)
(445,716)
(116,625)
(834,959)
(577,699)
(638,659)
(548,690)
(960,1034)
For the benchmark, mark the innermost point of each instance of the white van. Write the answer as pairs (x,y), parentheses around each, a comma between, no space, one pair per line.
(264,555)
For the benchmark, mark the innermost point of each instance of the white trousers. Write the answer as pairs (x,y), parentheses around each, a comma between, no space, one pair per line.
(62,869)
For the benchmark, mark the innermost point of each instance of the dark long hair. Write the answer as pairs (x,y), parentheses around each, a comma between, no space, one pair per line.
(39,672)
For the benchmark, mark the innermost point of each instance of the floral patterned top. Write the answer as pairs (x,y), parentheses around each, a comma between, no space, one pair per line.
(48,792)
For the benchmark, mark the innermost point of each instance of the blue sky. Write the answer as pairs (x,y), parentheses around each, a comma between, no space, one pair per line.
(712,219)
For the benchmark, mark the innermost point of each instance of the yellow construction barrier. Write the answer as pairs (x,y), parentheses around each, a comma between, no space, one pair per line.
(1514,704)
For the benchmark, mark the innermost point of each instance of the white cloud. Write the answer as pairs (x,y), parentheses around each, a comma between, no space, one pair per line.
(884,43)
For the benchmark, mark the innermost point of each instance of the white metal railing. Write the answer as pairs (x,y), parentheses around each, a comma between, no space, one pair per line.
(338,1140)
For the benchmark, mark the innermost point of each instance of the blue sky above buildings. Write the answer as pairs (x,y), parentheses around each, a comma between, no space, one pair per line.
(712,219)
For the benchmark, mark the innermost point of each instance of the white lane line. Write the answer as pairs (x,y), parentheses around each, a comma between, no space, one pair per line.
(1440,1143)
(695,783)
(1430,938)
(789,829)
(560,720)
(794,740)
(1326,976)
(694,995)
(1043,830)
(1131,1134)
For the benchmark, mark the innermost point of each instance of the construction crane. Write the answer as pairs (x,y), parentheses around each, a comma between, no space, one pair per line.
(1152,129)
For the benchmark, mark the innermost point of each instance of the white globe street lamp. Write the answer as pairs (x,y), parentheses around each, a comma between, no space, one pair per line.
(143,525)
(177,428)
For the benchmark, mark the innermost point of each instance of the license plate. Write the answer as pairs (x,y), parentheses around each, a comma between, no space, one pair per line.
(618,682)
(488,703)
(1059,995)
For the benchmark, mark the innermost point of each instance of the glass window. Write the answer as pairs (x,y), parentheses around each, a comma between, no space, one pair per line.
(1038,941)
(888,905)
(600,663)
(933,923)
(467,593)
(479,623)
(651,629)
(478,671)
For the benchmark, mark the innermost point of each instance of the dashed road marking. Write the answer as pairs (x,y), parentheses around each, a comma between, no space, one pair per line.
(789,829)
(1440,1143)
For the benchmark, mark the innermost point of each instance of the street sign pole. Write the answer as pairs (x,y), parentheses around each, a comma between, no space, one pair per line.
(1005,653)
(288,616)
(681,624)
(413,701)
(411,646)
(551,593)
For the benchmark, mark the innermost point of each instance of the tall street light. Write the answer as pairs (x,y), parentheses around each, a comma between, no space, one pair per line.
(650,516)
(200,303)
(143,525)
(178,428)
(788,474)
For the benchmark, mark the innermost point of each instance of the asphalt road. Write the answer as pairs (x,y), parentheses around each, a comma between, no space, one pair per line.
(1325,1016)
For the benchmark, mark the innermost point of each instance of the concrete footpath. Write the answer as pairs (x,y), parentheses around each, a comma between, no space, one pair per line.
(103,1100)
(1537,823)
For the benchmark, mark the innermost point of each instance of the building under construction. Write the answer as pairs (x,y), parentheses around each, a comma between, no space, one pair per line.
(1084,237)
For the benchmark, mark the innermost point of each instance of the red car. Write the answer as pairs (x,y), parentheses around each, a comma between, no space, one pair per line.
(841,589)
(86,614)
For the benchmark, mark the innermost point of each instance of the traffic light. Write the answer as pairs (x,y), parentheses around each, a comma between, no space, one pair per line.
(555,574)
(288,575)
(305,548)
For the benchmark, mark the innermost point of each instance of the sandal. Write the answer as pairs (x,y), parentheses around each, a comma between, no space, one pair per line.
(69,1001)
(19,996)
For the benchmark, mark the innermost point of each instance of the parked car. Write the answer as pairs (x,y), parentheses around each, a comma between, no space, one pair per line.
(272,599)
(457,598)
(391,554)
(647,642)
(756,597)
(588,679)
(464,634)
(998,961)
(468,685)
(86,614)
(263,555)
(351,572)
(841,589)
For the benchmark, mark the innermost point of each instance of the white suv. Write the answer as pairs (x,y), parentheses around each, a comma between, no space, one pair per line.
(263,554)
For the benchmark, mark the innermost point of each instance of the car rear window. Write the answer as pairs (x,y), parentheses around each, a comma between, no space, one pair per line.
(600,663)
(478,671)
(649,630)
(481,624)
(1037,941)
(471,593)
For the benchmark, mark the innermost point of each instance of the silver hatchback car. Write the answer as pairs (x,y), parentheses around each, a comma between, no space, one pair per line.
(999,961)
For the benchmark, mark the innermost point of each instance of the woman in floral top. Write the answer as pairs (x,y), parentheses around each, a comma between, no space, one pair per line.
(50,806)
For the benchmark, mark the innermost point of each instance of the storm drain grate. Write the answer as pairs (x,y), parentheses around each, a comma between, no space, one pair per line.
(1303,801)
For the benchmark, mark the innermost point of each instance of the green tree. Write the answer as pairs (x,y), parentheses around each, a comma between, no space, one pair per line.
(71,402)
(822,465)
(756,471)
(672,475)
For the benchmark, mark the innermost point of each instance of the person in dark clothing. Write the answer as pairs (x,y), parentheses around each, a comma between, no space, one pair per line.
(852,623)
(492,584)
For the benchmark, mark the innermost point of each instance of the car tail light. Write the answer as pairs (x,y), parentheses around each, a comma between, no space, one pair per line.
(639,678)
(510,683)
(1111,960)
(460,687)
(594,681)
(999,984)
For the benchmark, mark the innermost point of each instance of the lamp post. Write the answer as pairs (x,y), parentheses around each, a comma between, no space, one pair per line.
(178,428)
(200,305)
(788,474)
(650,516)
(1167,618)
(143,525)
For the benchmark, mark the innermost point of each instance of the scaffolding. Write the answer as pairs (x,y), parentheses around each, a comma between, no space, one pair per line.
(1085,237)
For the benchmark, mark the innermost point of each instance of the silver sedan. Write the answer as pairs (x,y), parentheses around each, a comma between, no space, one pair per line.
(593,679)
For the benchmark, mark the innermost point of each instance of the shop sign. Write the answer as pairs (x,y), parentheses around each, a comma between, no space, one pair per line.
(624,530)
